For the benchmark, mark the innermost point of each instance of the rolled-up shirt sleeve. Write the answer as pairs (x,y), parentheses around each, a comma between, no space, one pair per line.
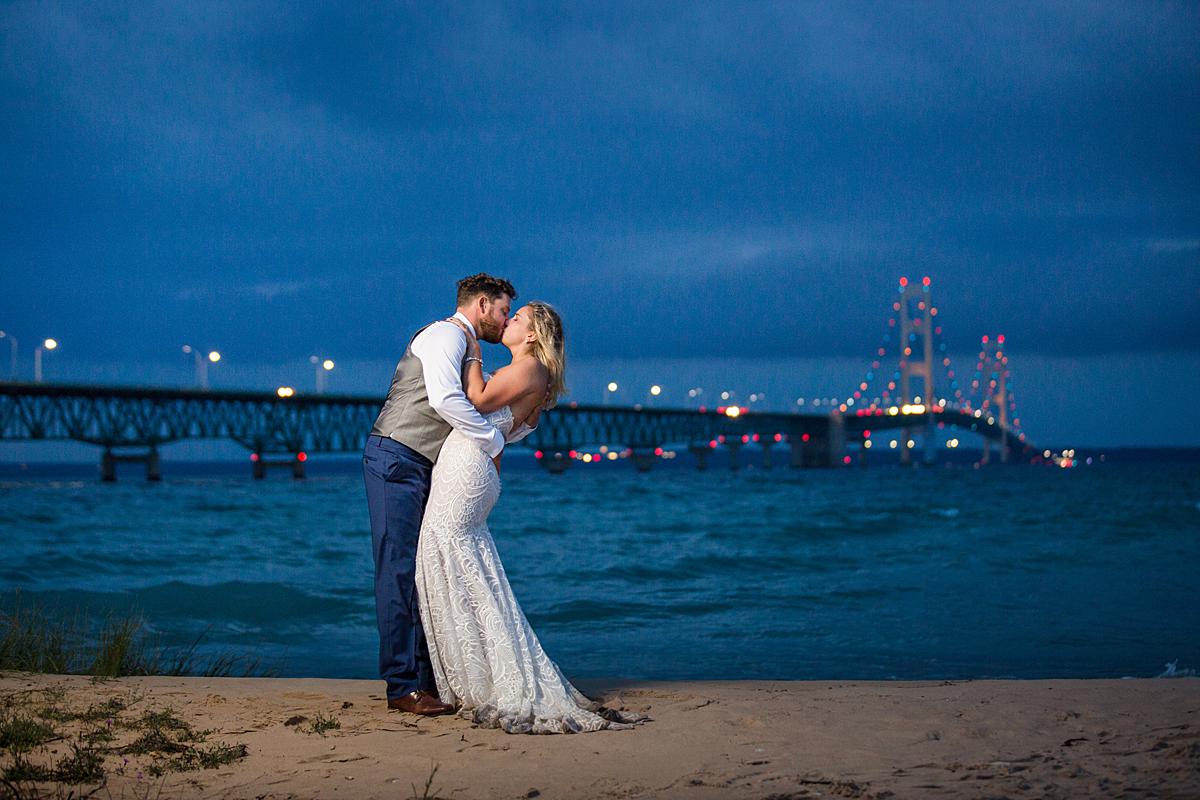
(440,348)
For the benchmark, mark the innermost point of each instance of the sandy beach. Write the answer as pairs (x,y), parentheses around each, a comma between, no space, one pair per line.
(310,738)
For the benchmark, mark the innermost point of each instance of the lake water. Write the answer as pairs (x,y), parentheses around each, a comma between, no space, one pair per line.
(875,573)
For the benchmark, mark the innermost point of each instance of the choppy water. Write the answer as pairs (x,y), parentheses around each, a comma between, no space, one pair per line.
(866,574)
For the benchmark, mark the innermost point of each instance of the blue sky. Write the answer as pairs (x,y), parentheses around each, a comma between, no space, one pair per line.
(685,181)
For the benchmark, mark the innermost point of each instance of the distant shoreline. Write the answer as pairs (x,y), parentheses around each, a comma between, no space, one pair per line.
(340,462)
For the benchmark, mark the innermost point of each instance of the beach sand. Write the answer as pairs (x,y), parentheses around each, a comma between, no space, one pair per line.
(752,739)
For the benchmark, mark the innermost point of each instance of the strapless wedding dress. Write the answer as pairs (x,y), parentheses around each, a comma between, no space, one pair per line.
(485,656)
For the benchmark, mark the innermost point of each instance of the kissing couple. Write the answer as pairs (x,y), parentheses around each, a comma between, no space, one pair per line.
(451,634)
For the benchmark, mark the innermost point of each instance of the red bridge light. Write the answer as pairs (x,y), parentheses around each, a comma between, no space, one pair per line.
(904,281)
(302,456)
(254,457)
(805,438)
(538,454)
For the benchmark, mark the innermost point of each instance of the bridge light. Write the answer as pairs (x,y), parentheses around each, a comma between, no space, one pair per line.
(892,444)
(612,456)
(612,386)
(845,459)
(587,458)
(538,454)
(866,434)
(779,437)
(805,437)
(254,456)
(658,451)
(572,453)
(327,364)
(911,444)
(50,344)
(904,281)
(925,280)
(1000,338)
(285,391)
(724,395)
(214,356)
(867,444)
(656,390)
(302,456)
(733,412)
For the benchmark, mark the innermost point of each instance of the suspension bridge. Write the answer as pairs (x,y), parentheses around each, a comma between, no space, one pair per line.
(910,387)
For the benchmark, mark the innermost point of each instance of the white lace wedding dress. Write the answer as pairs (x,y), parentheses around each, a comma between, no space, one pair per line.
(485,656)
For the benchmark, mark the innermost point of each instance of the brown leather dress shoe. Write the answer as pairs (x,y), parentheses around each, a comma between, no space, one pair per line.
(420,702)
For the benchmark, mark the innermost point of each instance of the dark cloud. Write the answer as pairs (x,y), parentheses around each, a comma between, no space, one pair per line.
(681,179)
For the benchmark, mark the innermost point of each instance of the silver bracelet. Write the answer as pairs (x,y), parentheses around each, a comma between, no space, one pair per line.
(473,358)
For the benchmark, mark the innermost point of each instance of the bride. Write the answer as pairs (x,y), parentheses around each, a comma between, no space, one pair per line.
(485,656)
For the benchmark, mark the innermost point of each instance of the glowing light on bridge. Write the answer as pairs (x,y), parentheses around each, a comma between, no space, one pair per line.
(285,391)
(214,356)
(733,412)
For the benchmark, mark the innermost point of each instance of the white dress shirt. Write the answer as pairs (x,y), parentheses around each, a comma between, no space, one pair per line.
(441,348)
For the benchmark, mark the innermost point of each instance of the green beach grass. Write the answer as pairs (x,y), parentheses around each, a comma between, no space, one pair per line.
(34,639)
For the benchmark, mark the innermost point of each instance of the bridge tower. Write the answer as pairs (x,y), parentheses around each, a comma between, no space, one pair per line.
(916,355)
(993,380)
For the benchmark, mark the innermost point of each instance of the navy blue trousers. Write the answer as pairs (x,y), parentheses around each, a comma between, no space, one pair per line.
(397,479)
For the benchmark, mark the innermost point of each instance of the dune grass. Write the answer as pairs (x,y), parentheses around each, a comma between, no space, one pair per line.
(33,639)
(51,746)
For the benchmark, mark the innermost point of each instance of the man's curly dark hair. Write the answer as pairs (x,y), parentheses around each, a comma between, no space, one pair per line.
(492,287)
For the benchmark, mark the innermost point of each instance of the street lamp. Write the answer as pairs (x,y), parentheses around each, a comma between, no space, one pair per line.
(694,394)
(202,363)
(655,391)
(12,343)
(320,367)
(49,344)
(612,388)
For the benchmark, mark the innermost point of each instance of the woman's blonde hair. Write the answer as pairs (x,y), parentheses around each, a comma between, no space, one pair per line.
(549,347)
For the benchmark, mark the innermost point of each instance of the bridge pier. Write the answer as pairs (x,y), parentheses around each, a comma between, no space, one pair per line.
(735,446)
(797,451)
(766,448)
(259,464)
(109,461)
(701,454)
(555,463)
(643,459)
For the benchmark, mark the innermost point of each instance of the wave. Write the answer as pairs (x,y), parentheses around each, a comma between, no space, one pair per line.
(1172,671)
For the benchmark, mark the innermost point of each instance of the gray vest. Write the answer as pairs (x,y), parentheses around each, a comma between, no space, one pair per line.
(407,416)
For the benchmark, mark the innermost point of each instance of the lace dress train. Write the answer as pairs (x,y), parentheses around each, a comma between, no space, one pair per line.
(485,655)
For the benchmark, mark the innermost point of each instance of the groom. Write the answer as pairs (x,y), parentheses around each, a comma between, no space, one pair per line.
(425,402)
